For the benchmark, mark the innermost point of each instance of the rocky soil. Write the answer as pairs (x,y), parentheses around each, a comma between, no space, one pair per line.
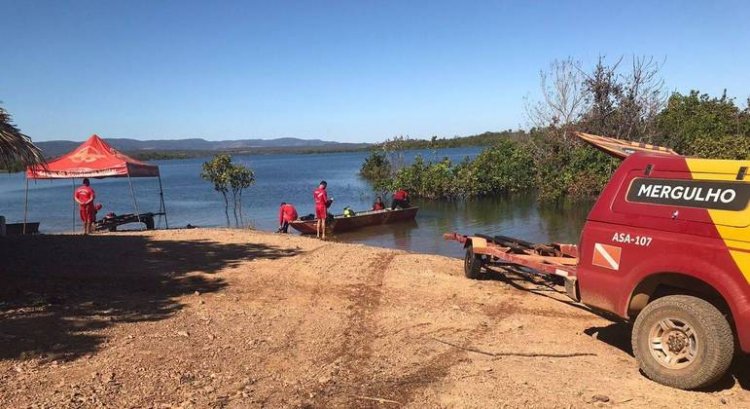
(236,319)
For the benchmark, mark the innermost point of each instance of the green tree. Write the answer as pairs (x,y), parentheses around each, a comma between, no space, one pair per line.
(228,177)
(505,167)
(376,167)
(217,171)
(602,90)
(611,100)
(699,125)
(240,178)
(618,100)
(622,103)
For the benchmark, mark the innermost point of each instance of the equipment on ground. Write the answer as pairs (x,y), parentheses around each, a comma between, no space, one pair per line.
(111,223)
(21,229)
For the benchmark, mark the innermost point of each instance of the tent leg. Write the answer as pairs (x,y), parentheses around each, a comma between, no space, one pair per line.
(74,204)
(163,207)
(135,203)
(25,206)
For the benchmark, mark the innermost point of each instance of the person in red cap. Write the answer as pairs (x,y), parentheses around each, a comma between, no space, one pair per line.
(287,213)
(320,196)
(85,196)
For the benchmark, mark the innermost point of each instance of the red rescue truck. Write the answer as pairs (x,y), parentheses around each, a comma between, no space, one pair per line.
(665,247)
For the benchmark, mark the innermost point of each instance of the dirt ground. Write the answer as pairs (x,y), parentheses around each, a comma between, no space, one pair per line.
(236,319)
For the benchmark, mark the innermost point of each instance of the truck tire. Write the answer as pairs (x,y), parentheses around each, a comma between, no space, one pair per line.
(683,341)
(472,264)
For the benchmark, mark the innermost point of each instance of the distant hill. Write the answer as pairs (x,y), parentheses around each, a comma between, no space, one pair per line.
(483,139)
(181,148)
(57,148)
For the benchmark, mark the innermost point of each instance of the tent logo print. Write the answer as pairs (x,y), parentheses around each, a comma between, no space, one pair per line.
(87,155)
(606,256)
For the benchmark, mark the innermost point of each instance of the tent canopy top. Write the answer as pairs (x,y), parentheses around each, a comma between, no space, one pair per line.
(94,158)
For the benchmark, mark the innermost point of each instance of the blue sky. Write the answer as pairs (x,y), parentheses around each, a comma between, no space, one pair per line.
(337,70)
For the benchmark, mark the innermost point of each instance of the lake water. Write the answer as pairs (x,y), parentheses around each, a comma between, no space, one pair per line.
(292,178)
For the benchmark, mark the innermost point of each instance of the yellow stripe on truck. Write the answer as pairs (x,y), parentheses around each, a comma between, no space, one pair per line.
(736,236)
(742,259)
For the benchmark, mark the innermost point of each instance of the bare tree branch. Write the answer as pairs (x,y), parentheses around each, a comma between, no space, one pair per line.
(563,99)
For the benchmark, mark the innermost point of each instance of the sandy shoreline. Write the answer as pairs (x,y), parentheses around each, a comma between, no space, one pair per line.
(225,318)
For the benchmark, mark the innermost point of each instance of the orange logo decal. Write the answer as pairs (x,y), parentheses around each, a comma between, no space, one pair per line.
(607,256)
(86,155)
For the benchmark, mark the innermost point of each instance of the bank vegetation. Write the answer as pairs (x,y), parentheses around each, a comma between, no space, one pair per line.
(625,99)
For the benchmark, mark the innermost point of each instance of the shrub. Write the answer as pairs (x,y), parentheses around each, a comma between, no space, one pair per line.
(376,167)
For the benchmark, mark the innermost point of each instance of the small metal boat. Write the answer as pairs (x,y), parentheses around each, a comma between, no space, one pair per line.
(341,223)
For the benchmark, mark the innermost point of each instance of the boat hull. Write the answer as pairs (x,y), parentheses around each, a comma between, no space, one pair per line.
(341,223)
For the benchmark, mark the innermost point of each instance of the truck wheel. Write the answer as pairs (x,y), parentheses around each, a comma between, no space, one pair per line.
(472,264)
(683,341)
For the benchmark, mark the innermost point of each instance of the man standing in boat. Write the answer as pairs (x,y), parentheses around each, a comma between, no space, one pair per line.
(320,196)
(85,196)
(400,199)
(287,214)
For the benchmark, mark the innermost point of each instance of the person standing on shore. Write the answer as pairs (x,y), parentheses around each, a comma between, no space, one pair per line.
(320,196)
(85,196)
(287,214)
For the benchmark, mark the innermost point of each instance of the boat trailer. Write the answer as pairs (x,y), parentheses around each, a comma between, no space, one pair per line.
(546,260)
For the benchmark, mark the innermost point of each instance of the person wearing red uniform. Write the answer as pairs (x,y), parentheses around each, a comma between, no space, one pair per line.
(378,205)
(320,196)
(400,199)
(85,196)
(287,213)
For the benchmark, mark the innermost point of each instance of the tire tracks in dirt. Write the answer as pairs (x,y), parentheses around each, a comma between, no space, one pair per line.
(313,290)
(350,357)
(362,297)
(404,386)
(357,375)
(313,300)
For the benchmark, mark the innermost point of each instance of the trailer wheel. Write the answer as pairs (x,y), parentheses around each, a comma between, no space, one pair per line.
(683,341)
(472,264)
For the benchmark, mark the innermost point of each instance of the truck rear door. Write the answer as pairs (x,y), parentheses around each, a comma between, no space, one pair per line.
(711,192)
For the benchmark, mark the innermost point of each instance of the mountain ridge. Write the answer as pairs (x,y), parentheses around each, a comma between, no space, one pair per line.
(58,147)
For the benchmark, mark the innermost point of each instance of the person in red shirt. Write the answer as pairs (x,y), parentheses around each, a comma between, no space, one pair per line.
(287,213)
(85,196)
(378,205)
(400,199)
(320,196)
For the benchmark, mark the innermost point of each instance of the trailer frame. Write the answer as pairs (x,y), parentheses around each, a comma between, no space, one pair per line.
(550,260)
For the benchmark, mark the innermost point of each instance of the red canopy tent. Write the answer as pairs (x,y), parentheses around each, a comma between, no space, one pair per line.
(95,158)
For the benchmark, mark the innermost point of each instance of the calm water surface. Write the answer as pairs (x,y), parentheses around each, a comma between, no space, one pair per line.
(292,178)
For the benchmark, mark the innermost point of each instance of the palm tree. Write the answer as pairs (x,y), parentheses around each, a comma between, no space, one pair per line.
(14,145)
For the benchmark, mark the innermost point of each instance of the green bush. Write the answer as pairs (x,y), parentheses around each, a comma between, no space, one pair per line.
(722,147)
(504,168)
(698,125)
(376,167)
(558,167)
(570,169)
